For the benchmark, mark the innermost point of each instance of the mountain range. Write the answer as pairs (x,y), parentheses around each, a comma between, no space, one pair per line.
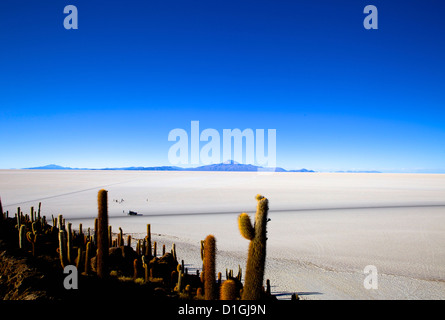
(224,166)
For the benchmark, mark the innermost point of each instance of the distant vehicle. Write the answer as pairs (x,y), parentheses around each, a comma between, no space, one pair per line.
(132,213)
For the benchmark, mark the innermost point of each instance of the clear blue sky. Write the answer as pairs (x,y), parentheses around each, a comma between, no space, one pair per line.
(340,97)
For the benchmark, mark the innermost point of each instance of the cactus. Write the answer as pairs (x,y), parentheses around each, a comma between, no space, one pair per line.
(174,252)
(34,227)
(138,247)
(155,253)
(38,211)
(60,223)
(96,230)
(102,234)
(62,248)
(173,277)
(110,237)
(240,273)
(22,236)
(32,238)
(120,238)
(209,268)
(202,250)
(1,210)
(135,269)
(87,257)
(256,259)
(148,244)
(69,243)
(18,218)
(199,294)
(146,269)
(129,240)
(80,257)
(229,290)
(180,281)
(268,291)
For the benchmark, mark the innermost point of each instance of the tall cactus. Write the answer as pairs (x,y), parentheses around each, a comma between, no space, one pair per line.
(69,243)
(256,259)
(18,218)
(38,212)
(1,210)
(102,234)
(148,244)
(62,248)
(210,292)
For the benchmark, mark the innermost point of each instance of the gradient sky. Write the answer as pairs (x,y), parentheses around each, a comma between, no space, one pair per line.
(340,97)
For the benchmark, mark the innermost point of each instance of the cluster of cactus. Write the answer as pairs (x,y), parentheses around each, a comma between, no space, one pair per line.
(232,288)
(32,228)
(75,248)
(93,252)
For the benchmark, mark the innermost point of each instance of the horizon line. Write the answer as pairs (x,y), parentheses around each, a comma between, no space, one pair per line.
(302,170)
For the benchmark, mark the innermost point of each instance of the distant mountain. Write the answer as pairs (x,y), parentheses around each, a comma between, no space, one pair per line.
(359,171)
(301,170)
(50,167)
(224,166)
(163,168)
(231,165)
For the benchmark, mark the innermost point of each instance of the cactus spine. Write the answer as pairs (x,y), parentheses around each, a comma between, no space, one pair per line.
(256,259)
(209,268)
(102,234)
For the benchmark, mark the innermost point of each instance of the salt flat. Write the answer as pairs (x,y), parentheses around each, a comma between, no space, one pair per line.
(324,229)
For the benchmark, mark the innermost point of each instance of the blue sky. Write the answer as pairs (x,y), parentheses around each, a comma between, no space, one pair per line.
(107,94)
